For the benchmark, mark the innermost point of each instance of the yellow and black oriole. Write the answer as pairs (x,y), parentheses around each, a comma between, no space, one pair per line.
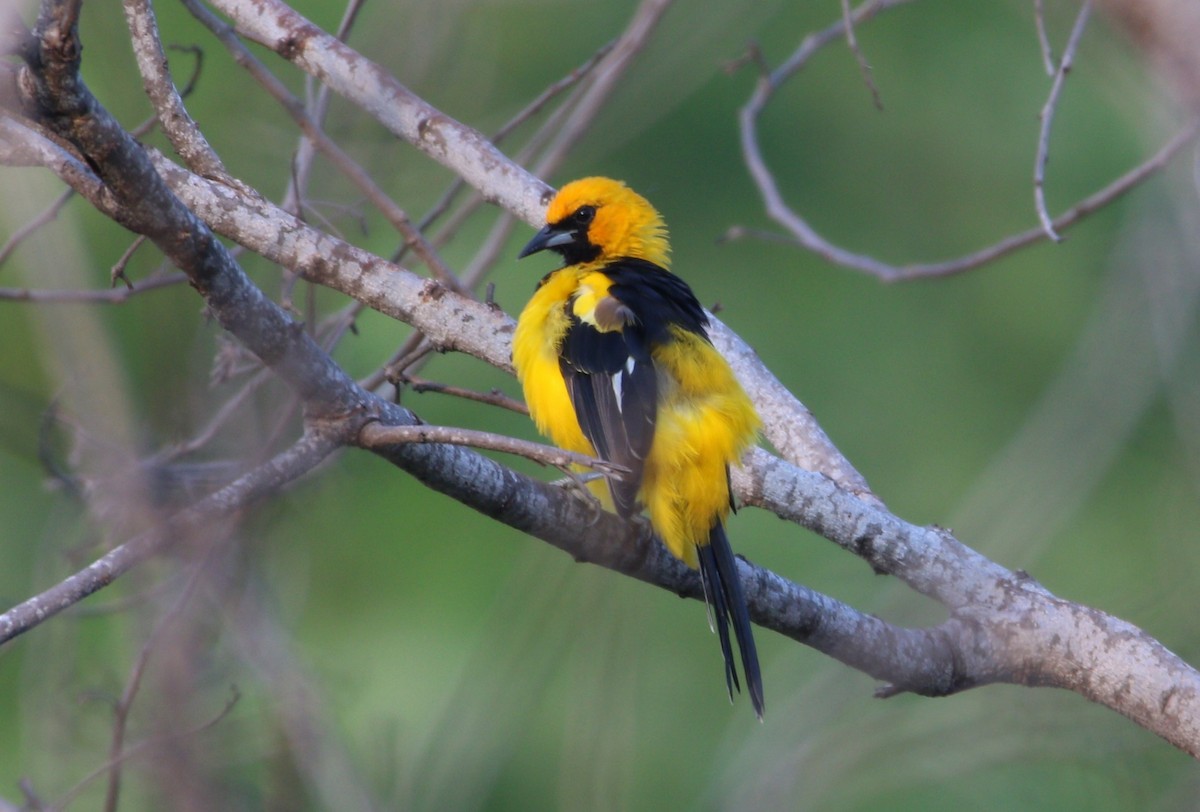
(615,360)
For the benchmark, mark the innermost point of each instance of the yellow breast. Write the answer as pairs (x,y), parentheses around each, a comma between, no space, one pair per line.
(540,331)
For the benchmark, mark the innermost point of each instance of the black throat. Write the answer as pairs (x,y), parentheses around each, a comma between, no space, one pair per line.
(578,250)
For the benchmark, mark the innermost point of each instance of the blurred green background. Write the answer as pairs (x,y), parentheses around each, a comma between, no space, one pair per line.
(1044,407)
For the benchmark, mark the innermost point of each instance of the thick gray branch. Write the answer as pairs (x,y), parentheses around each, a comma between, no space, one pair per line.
(453,144)
(1002,626)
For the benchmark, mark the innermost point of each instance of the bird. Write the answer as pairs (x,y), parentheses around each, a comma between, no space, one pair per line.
(615,360)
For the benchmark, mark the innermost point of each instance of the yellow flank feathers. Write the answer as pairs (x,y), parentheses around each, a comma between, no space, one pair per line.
(615,361)
(539,334)
(705,423)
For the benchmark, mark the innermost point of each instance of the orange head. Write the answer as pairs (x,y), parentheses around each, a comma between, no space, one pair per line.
(600,219)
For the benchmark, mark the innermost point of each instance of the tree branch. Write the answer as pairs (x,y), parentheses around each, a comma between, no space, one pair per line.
(800,233)
(374,435)
(185,137)
(267,479)
(456,146)
(1047,119)
(1002,626)
(458,324)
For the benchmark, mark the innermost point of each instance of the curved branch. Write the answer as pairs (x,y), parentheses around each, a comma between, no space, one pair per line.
(296,461)
(799,232)
(1047,119)
(312,131)
(979,645)
(1003,626)
(374,435)
(179,127)
(456,146)
(456,323)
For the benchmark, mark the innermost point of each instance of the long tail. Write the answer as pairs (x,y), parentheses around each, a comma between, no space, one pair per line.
(723,588)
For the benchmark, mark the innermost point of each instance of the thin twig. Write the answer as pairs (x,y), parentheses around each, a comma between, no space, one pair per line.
(414,348)
(105,296)
(137,749)
(347,165)
(1047,119)
(375,435)
(602,82)
(492,398)
(48,215)
(524,114)
(334,327)
(218,420)
(125,703)
(596,79)
(293,198)
(118,268)
(1039,19)
(800,233)
(296,461)
(863,66)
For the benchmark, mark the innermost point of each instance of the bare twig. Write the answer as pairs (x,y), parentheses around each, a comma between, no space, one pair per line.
(293,463)
(802,234)
(293,199)
(415,348)
(312,732)
(376,435)
(102,296)
(602,82)
(1039,18)
(48,215)
(863,66)
(533,108)
(350,168)
(492,398)
(125,702)
(1047,119)
(186,138)
(218,420)
(118,268)
(114,763)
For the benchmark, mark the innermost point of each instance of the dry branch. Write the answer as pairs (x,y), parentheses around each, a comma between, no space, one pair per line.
(1003,626)
(799,232)
(1047,119)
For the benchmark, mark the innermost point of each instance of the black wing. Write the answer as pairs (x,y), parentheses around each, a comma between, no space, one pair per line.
(615,396)
(610,374)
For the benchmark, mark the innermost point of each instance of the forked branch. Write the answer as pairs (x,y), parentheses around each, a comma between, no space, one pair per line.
(1002,626)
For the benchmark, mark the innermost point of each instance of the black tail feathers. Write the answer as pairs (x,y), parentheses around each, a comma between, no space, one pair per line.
(723,589)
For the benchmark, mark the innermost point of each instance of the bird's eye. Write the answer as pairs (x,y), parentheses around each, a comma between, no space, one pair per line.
(585,214)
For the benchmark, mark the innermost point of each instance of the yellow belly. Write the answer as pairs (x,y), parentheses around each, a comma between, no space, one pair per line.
(705,423)
(705,420)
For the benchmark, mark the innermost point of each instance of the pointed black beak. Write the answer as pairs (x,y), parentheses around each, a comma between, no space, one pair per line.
(548,237)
